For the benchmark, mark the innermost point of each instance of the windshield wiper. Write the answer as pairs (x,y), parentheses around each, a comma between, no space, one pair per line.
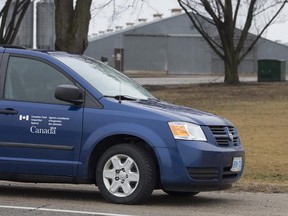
(125,97)
(122,97)
(130,98)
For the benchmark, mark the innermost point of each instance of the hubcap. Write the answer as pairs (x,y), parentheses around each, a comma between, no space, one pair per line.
(121,175)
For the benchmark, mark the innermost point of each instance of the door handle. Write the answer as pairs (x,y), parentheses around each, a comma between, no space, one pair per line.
(8,112)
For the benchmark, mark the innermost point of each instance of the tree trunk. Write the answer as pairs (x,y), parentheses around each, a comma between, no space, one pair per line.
(231,72)
(11,16)
(72,25)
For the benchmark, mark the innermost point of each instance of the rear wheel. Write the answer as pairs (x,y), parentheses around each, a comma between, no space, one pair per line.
(126,174)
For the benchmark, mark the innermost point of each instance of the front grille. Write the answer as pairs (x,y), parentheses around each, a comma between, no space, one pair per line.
(235,136)
(221,135)
(203,173)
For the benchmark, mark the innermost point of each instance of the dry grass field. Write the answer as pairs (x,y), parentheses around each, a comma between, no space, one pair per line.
(260,113)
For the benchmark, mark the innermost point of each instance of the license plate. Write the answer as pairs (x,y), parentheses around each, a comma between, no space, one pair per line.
(237,164)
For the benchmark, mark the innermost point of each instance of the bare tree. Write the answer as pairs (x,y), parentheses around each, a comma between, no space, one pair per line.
(11,16)
(72,25)
(72,21)
(223,16)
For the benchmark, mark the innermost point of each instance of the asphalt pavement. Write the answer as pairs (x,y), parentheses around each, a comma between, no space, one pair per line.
(17,199)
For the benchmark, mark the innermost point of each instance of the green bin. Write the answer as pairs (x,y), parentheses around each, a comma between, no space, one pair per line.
(271,70)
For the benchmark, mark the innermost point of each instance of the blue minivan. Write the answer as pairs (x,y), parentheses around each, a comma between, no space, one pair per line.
(70,119)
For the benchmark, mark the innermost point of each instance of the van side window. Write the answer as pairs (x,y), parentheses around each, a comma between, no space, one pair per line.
(33,81)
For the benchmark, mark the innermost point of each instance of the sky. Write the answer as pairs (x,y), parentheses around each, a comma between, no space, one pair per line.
(102,20)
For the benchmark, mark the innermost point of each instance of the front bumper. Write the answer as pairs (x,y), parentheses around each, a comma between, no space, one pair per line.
(198,166)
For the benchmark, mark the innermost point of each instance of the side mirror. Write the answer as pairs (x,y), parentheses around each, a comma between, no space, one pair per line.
(69,93)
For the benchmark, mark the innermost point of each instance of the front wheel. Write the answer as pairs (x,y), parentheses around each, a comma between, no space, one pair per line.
(126,174)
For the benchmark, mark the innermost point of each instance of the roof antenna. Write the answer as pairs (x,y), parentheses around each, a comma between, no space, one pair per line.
(119,100)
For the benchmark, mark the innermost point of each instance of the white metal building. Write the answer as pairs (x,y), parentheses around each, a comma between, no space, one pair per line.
(171,46)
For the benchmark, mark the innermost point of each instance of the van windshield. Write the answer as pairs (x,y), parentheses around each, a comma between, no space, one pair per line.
(108,81)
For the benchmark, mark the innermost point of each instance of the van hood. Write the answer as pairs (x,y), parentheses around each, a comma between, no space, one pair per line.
(182,113)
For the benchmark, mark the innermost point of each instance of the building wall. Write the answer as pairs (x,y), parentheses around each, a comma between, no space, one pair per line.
(264,49)
(270,50)
(145,53)
(247,66)
(105,47)
(188,55)
(267,49)
(172,46)
(169,54)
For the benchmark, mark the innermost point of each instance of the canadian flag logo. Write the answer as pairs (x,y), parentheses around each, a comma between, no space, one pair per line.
(24,117)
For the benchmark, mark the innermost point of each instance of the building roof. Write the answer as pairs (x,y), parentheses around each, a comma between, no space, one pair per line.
(180,22)
(133,30)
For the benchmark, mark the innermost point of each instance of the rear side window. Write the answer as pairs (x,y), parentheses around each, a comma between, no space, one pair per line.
(33,81)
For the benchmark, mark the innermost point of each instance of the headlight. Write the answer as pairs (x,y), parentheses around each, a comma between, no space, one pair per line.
(187,131)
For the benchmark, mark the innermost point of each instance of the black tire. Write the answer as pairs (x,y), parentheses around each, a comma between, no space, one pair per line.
(181,193)
(126,174)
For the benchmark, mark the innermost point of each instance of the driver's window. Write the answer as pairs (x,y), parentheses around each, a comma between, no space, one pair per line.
(33,81)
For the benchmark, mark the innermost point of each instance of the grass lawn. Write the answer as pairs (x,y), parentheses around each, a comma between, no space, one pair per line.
(260,113)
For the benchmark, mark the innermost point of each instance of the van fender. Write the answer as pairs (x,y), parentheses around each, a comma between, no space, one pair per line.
(152,138)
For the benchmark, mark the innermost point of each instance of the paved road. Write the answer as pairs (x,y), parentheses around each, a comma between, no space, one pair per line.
(186,79)
(17,199)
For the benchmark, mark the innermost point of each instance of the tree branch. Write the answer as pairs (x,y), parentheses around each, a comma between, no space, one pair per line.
(3,16)
(261,33)
(245,30)
(24,6)
(236,13)
(212,43)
